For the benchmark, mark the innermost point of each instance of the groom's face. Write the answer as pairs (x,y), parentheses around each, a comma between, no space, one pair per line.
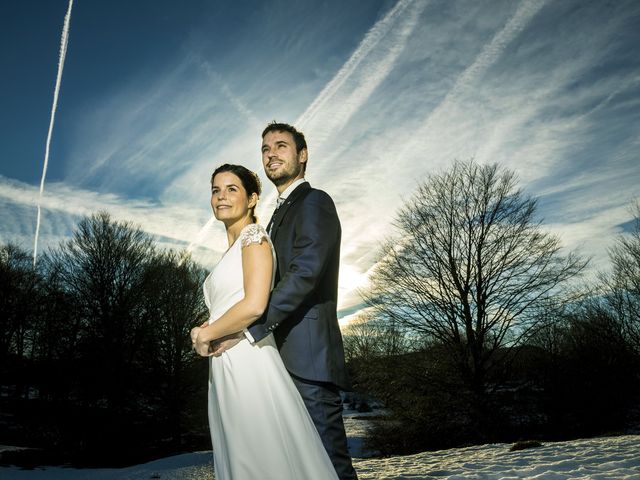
(282,163)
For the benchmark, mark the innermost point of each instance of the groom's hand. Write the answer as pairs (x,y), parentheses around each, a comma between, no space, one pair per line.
(222,344)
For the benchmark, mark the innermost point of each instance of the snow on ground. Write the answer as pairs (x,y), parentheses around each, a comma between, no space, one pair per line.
(593,459)
(599,458)
(356,427)
(189,466)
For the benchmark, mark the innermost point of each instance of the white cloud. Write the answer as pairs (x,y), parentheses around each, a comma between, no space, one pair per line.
(522,111)
(544,88)
(63,206)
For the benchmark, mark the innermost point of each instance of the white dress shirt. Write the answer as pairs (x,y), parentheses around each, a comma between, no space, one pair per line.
(284,195)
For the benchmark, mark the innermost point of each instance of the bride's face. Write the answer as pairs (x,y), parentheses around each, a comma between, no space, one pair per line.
(229,198)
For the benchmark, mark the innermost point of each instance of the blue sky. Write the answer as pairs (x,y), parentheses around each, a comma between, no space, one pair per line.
(156,94)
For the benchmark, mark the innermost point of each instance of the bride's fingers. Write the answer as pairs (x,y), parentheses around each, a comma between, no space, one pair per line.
(201,350)
(194,334)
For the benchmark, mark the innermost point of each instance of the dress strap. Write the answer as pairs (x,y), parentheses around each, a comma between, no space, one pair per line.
(252,233)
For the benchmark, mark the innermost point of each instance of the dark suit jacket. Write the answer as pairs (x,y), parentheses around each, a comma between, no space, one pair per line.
(302,308)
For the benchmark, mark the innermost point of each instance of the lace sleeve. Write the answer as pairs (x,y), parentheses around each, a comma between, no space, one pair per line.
(252,233)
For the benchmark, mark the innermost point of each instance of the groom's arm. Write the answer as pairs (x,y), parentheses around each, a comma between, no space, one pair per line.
(317,233)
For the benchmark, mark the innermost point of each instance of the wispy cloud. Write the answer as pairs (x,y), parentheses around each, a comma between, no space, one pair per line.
(468,79)
(64,206)
(163,130)
(548,89)
(234,100)
(510,104)
(366,168)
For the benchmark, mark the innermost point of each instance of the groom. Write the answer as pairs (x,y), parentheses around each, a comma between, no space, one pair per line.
(305,231)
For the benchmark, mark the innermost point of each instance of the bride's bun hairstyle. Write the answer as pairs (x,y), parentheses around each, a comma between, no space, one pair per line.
(249,179)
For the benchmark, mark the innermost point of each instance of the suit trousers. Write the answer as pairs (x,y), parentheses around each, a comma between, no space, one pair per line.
(324,404)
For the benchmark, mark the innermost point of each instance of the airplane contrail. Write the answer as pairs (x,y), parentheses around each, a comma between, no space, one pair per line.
(198,240)
(240,106)
(367,45)
(487,57)
(63,52)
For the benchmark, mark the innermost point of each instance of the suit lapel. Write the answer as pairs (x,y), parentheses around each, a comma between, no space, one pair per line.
(280,213)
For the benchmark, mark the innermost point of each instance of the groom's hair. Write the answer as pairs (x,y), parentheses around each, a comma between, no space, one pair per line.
(298,137)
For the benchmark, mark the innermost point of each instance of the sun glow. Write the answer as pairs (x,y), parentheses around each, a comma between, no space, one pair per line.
(347,319)
(350,283)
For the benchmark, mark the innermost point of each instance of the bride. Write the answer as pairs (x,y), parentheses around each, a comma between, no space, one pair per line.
(260,427)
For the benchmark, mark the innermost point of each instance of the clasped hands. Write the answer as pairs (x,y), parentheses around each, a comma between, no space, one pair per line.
(215,347)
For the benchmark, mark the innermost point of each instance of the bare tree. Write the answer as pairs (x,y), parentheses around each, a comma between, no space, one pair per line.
(367,337)
(102,267)
(20,284)
(623,285)
(174,304)
(470,267)
(101,333)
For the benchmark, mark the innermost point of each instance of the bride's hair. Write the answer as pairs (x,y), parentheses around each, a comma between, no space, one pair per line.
(249,179)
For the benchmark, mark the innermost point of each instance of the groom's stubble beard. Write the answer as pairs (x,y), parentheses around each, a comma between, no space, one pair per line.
(285,175)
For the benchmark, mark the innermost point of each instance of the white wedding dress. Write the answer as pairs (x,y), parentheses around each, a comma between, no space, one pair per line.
(260,428)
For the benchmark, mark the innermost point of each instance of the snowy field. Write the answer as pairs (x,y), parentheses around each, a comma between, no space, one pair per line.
(598,458)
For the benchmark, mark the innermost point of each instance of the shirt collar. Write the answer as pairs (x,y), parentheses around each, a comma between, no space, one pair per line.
(284,195)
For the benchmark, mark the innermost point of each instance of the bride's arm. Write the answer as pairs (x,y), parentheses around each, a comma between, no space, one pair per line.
(257,268)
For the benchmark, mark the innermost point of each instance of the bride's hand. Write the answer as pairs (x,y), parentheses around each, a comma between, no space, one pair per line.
(196,330)
(194,334)
(202,348)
